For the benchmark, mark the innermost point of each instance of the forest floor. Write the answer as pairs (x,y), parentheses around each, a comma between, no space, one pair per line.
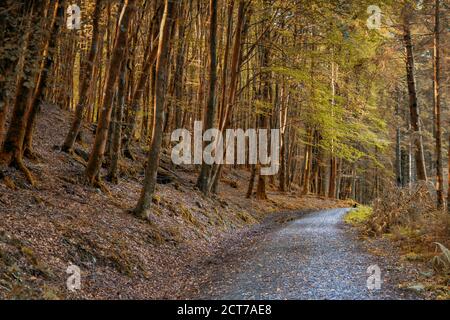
(60,221)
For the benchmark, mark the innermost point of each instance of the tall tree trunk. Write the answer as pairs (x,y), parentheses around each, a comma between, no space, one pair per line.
(8,37)
(179,66)
(38,96)
(148,190)
(448,178)
(251,182)
(261,193)
(332,185)
(87,80)
(113,169)
(210,112)
(11,153)
(333,160)
(229,35)
(98,149)
(437,110)
(307,163)
(150,58)
(413,104)
(398,144)
(234,71)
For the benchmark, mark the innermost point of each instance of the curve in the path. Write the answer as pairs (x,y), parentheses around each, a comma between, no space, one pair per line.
(313,257)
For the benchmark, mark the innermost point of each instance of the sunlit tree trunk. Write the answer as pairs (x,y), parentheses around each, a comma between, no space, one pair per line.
(10,32)
(437,109)
(49,52)
(98,149)
(234,71)
(210,112)
(148,189)
(12,151)
(87,80)
(413,104)
(150,56)
(113,170)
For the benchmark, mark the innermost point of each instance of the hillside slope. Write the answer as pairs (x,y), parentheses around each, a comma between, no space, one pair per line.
(60,221)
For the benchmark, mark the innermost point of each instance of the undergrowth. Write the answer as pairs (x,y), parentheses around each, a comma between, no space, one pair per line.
(358,216)
(409,217)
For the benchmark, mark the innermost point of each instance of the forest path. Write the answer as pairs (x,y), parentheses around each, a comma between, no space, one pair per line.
(313,257)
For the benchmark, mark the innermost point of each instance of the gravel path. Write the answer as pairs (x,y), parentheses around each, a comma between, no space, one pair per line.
(313,257)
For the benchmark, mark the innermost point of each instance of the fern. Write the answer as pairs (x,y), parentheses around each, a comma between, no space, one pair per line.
(442,262)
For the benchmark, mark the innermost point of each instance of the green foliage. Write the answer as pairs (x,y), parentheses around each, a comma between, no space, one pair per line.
(358,216)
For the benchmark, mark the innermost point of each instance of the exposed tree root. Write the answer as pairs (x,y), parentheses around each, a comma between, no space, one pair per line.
(96,183)
(141,214)
(14,160)
(19,165)
(30,154)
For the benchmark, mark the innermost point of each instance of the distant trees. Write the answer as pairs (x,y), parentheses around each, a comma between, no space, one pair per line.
(137,70)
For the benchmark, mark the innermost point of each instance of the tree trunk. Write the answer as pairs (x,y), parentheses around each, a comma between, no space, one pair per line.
(332,185)
(413,104)
(437,110)
(11,154)
(179,68)
(8,37)
(448,178)
(87,80)
(210,112)
(38,96)
(398,145)
(251,182)
(234,71)
(117,131)
(98,149)
(150,58)
(148,190)
(307,163)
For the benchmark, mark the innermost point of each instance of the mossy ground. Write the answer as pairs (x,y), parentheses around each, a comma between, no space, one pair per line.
(358,216)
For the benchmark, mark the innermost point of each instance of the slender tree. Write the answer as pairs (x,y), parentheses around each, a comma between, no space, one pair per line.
(210,111)
(413,104)
(98,149)
(87,80)
(437,108)
(148,189)
(49,52)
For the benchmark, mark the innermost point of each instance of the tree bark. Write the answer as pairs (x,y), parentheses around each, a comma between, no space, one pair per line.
(148,189)
(413,104)
(87,80)
(12,150)
(448,178)
(210,112)
(150,58)
(8,36)
(38,96)
(113,169)
(234,71)
(98,149)
(437,110)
